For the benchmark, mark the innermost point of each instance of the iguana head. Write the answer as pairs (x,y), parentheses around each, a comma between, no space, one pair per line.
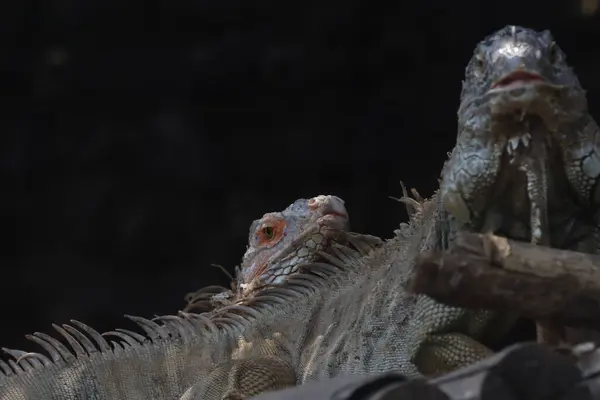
(280,241)
(524,135)
(517,72)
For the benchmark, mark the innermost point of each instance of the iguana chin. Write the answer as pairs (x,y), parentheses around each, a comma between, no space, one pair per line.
(278,243)
(527,160)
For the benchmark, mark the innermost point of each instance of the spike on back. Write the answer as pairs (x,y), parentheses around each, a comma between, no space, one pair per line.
(224,326)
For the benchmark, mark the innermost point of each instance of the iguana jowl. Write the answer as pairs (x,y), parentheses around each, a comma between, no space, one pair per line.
(527,159)
(348,315)
(278,243)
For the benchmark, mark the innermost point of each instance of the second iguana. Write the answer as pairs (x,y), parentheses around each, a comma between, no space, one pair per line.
(527,160)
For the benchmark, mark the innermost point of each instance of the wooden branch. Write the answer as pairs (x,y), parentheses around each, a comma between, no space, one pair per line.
(487,271)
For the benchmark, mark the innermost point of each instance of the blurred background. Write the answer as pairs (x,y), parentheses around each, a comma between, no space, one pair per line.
(140,139)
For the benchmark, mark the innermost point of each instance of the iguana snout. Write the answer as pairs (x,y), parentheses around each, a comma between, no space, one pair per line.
(332,210)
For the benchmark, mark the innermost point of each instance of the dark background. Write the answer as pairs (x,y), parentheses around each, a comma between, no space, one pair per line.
(140,139)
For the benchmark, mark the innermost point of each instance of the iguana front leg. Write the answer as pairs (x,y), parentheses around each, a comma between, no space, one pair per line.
(446,341)
(254,367)
(241,379)
(446,352)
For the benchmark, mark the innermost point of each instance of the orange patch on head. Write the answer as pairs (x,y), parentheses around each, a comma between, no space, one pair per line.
(270,231)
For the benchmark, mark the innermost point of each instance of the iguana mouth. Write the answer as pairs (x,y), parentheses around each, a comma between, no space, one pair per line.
(516,78)
(525,93)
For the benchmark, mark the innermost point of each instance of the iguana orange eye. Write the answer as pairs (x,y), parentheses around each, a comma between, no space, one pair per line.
(270,232)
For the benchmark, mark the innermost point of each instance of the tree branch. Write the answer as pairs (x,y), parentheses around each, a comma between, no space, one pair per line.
(487,271)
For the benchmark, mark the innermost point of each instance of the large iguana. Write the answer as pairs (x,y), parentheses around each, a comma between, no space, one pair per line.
(527,159)
(348,315)
(278,243)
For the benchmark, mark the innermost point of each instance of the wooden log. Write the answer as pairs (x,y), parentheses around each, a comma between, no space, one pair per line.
(487,271)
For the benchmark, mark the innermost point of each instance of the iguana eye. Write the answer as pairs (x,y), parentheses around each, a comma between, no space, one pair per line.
(268,232)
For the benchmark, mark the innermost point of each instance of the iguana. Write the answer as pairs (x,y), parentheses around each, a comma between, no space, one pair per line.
(527,159)
(349,315)
(278,243)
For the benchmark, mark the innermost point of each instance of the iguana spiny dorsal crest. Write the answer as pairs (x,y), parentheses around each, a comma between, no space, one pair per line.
(278,243)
